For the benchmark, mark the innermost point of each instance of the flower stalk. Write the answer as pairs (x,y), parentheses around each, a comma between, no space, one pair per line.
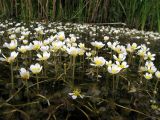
(73,71)
(113,82)
(12,77)
(27,89)
(97,71)
(155,88)
(37,83)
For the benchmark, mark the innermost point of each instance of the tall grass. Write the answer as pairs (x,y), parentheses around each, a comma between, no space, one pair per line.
(142,14)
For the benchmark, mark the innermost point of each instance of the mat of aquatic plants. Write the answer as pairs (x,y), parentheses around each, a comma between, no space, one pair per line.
(68,71)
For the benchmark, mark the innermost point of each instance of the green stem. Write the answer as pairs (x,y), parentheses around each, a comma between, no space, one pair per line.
(117,80)
(141,62)
(130,58)
(83,62)
(65,68)
(37,83)
(73,72)
(155,88)
(146,85)
(41,62)
(27,89)
(65,71)
(60,57)
(141,79)
(107,83)
(55,64)
(97,52)
(97,73)
(113,87)
(111,54)
(12,78)
(45,65)
(30,57)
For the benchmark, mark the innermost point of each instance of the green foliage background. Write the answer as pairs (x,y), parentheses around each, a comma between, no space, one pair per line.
(141,14)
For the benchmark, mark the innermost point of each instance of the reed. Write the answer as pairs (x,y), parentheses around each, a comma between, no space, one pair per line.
(141,14)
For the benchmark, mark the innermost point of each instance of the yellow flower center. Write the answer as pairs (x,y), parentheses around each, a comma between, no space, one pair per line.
(98,62)
(113,70)
(61,37)
(76,92)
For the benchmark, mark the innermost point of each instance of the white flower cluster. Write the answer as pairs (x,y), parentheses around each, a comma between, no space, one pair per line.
(38,45)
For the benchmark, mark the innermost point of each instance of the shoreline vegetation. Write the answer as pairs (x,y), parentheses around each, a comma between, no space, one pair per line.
(139,14)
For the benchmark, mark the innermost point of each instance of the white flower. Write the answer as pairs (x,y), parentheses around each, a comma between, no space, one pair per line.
(76,93)
(36,68)
(109,63)
(142,51)
(114,69)
(142,69)
(64,48)
(97,44)
(56,45)
(148,76)
(44,57)
(29,47)
(131,48)
(73,39)
(18,30)
(88,54)
(110,45)
(120,49)
(121,57)
(46,42)
(39,30)
(44,48)
(143,47)
(25,42)
(12,37)
(157,74)
(10,59)
(1,32)
(24,74)
(14,54)
(22,38)
(74,44)
(81,45)
(116,31)
(25,33)
(122,64)
(81,52)
(61,36)
(22,49)
(151,69)
(106,38)
(11,45)
(98,61)
(37,45)
(149,64)
(148,43)
(67,40)
(149,56)
(73,51)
